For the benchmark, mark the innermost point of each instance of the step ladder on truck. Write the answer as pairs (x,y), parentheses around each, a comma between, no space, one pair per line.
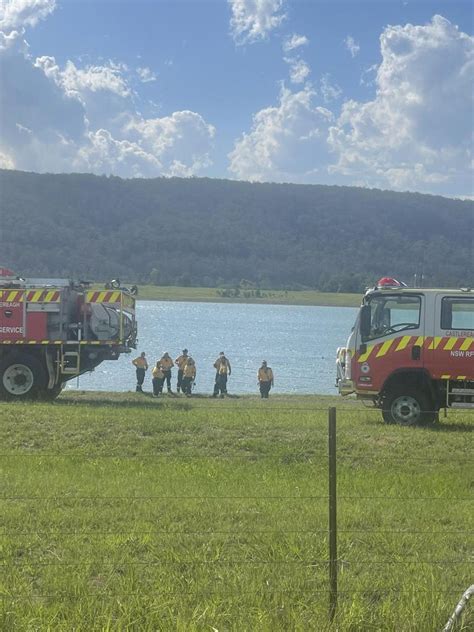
(411,352)
(53,330)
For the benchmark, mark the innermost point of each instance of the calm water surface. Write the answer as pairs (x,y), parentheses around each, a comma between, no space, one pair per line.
(298,342)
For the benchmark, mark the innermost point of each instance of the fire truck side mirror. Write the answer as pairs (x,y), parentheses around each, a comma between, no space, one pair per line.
(365,314)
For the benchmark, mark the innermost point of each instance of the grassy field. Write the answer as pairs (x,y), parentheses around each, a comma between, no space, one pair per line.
(121,512)
(276,297)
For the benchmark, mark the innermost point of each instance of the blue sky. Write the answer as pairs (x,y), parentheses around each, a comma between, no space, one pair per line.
(372,93)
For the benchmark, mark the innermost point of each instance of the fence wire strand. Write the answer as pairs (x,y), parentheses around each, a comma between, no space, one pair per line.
(374,593)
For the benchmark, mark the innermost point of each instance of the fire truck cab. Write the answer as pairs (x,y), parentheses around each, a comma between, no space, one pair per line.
(411,352)
(53,330)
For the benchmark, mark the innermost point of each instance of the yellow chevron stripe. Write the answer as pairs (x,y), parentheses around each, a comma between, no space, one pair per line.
(365,356)
(384,348)
(403,343)
(14,295)
(98,342)
(466,344)
(89,295)
(49,296)
(419,341)
(36,296)
(40,342)
(115,297)
(435,342)
(100,298)
(450,344)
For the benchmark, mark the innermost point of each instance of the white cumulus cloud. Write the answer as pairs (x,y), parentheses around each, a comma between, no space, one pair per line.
(417,132)
(19,14)
(40,124)
(295,41)
(146,75)
(299,69)
(91,78)
(84,117)
(105,154)
(330,91)
(253,20)
(181,142)
(352,46)
(103,90)
(287,142)
(176,145)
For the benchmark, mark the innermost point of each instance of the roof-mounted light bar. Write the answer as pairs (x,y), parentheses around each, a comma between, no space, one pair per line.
(389,283)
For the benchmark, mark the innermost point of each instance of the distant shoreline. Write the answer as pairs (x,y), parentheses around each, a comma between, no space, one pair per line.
(268,297)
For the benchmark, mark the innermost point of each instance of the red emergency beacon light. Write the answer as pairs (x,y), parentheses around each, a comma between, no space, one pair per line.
(389,283)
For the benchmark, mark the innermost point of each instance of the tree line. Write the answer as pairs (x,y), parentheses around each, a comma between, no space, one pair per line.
(214,233)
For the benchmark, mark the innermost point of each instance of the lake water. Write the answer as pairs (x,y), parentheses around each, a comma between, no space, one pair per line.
(299,343)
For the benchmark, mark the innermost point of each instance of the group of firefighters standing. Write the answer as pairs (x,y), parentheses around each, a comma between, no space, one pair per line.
(161,373)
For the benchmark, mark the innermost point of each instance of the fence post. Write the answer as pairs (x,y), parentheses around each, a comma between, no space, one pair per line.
(332,514)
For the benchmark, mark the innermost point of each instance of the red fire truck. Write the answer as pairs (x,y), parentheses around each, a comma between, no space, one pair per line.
(52,330)
(411,352)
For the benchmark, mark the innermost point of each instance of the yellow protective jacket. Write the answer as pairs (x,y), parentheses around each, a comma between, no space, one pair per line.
(158,372)
(189,370)
(222,366)
(166,363)
(265,374)
(181,361)
(140,363)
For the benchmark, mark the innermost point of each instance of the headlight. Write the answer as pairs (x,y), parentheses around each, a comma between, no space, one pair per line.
(348,372)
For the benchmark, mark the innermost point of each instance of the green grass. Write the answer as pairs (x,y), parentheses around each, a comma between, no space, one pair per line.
(120,512)
(276,297)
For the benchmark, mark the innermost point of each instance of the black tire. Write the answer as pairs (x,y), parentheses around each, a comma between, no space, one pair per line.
(407,406)
(50,394)
(22,377)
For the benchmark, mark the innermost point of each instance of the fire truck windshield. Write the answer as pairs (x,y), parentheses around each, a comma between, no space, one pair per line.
(391,314)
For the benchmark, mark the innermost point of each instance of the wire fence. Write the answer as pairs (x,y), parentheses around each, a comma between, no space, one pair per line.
(323,540)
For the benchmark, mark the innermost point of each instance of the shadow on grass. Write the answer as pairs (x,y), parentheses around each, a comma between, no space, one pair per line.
(438,426)
(106,403)
(147,401)
(451,427)
(144,400)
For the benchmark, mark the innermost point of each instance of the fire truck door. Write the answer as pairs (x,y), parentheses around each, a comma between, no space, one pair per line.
(395,340)
(12,315)
(450,351)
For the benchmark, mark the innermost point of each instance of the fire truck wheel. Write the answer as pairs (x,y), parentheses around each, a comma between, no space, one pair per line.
(21,377)
(407,407)
(49,394)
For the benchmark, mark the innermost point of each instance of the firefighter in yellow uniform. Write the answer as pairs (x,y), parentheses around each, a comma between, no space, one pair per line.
(223,371)
(141,366)
(167,364)
(180,363)
(158,379)
(189,375)
(265,379)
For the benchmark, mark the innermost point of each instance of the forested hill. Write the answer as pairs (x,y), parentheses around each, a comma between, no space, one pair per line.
(215,232)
